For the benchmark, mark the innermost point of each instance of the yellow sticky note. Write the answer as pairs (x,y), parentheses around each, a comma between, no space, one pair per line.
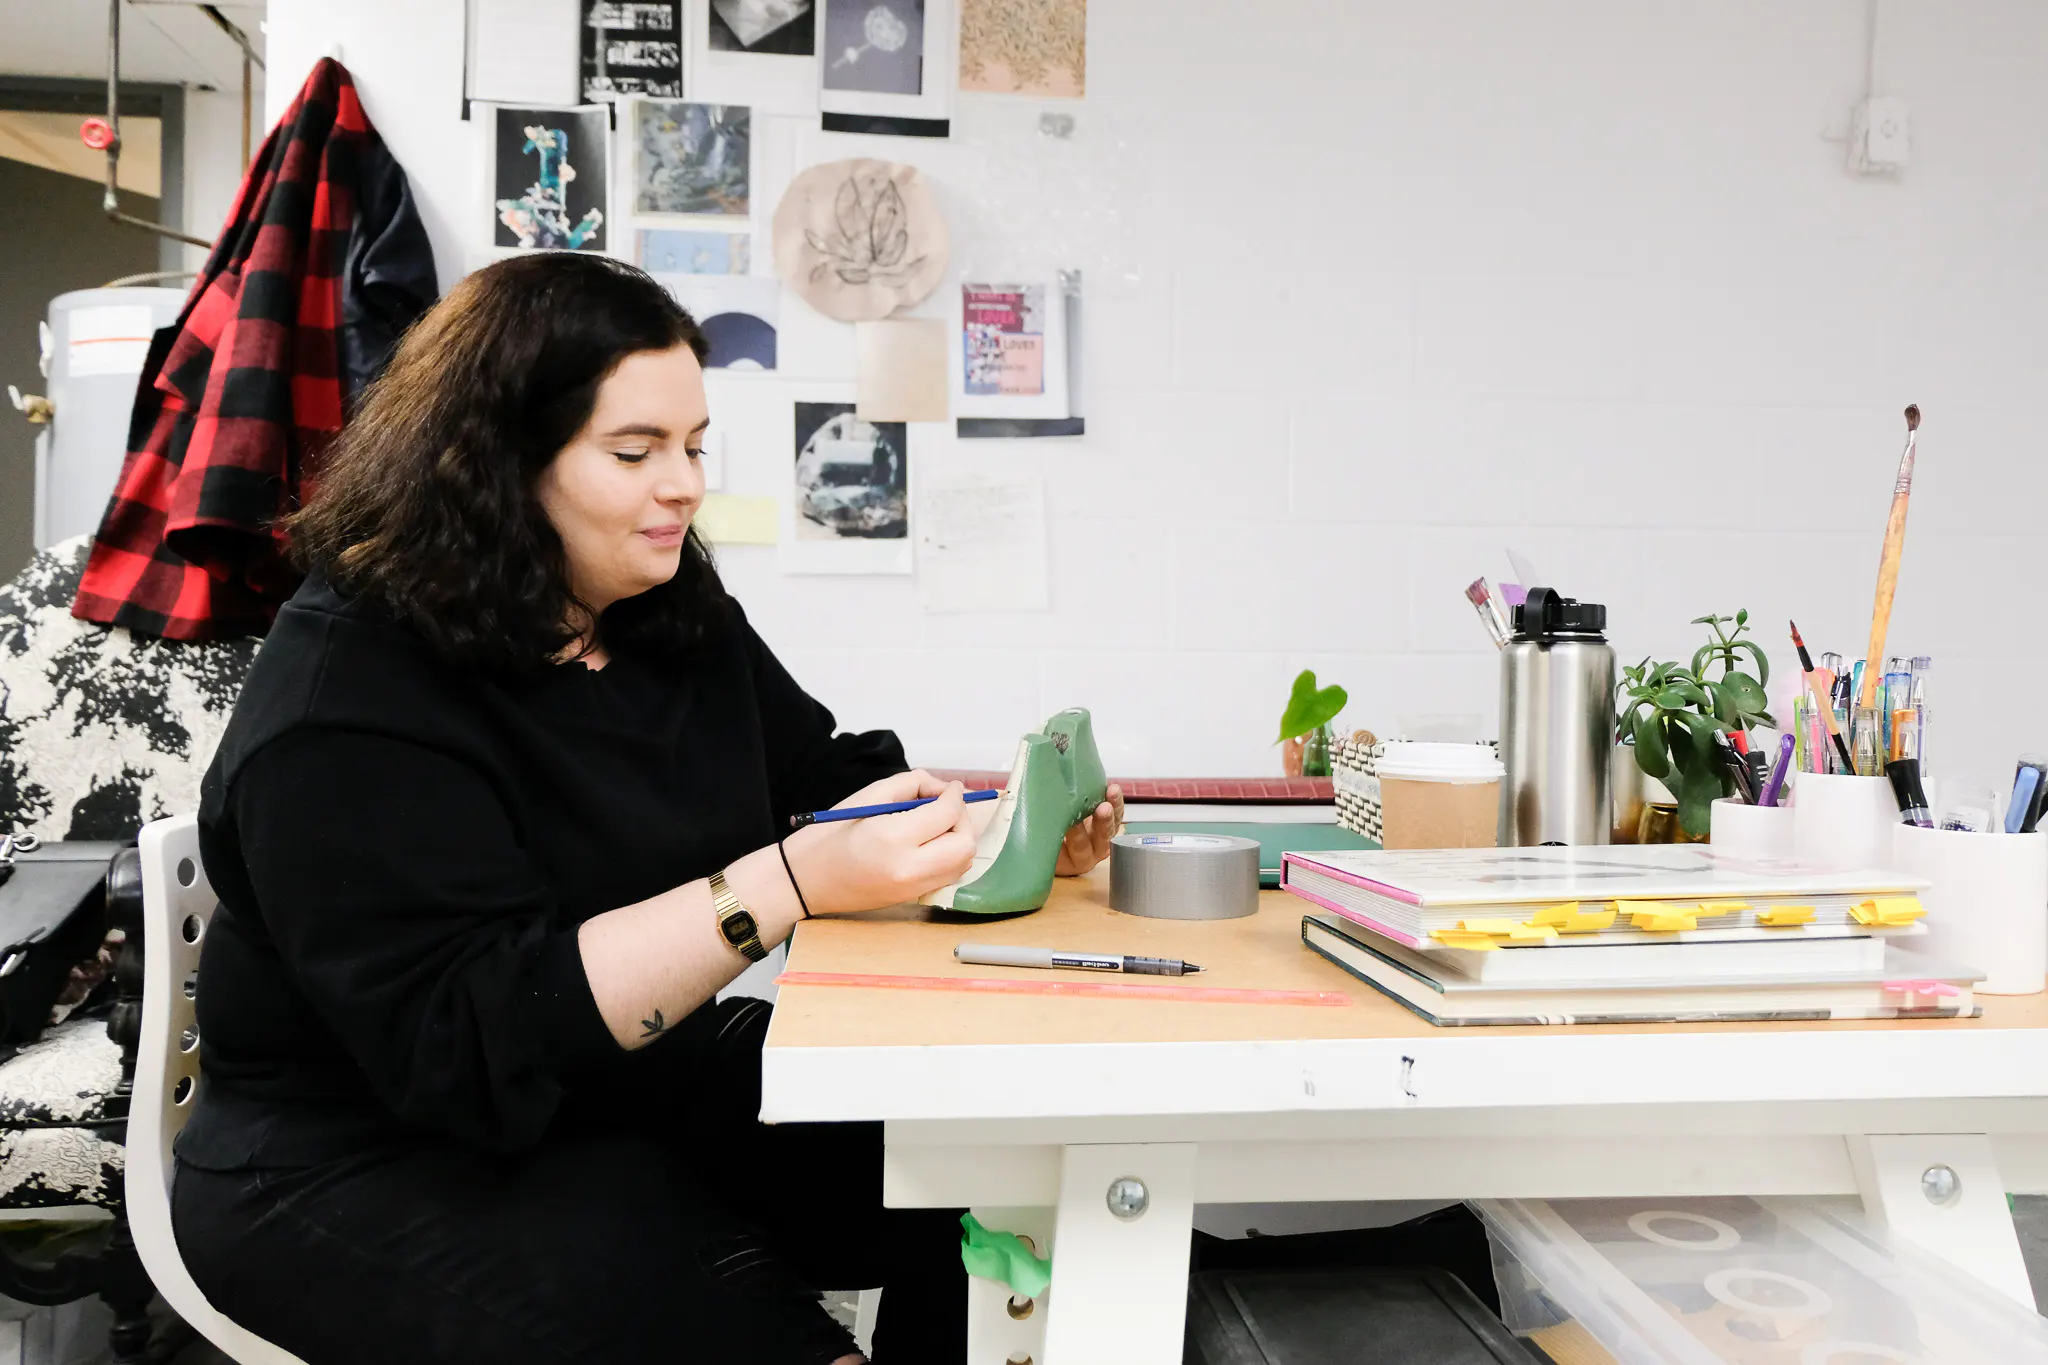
(1569,919)
(1660,917)
(1455,938)
(1785,916)
(724,519)
(1712,908)
(1889,912)
(1527,933)
(1502,927)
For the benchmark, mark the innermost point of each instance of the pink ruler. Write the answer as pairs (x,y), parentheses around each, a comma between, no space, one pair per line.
(1119,990)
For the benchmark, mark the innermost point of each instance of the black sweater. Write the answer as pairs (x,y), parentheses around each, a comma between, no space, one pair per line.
(403,852)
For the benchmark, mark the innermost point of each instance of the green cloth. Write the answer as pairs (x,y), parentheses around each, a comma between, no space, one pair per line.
(1003,1257)
(1273,839)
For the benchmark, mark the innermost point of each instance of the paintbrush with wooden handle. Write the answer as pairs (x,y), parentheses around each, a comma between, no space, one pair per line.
(1888,565)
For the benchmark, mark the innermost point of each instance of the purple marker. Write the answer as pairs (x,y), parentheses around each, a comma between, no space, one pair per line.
(1776,783)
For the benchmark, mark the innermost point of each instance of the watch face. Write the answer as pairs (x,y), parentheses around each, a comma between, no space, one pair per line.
(739,926)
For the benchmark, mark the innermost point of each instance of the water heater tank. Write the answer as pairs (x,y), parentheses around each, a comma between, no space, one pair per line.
(98,340)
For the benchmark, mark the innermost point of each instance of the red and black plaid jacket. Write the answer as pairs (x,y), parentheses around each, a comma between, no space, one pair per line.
(240,397)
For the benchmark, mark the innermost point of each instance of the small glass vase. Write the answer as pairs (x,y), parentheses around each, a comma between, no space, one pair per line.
(1315,752)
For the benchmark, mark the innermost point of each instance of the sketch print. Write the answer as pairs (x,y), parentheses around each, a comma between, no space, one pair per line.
(869,241)
(540,215)
(693,159)
(852,480)
(859,239)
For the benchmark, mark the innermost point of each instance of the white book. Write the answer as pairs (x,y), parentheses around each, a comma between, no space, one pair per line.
(1816,950)
(1908,986)
(1410,894)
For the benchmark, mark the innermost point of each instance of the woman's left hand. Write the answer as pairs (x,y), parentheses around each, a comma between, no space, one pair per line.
(1087,843)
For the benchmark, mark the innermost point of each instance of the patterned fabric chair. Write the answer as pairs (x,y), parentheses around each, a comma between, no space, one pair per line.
(100,731)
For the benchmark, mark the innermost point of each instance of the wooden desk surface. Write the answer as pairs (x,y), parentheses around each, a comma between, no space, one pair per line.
(1262,951)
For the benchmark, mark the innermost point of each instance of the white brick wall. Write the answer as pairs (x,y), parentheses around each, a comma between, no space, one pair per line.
(1404,284)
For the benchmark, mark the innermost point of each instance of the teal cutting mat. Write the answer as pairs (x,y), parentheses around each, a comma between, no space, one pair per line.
(1274,840)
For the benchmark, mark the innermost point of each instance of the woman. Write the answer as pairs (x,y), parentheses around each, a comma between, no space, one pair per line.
(500,772)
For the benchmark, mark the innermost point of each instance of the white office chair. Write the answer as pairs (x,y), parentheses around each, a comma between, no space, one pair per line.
(177,904)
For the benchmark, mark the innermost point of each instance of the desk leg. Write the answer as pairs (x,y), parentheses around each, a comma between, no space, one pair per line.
(1120,1285)
(1971,1228)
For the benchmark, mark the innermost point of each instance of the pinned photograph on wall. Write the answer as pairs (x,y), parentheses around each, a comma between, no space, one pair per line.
(1024,47)
(679,251)
(875,45)
(737,314)
(900,370)
(859,239)
(632,47)
(549,180)
(692,160)
(784,27)
(1027,428)
(760,53)
(1010,351)
(894,59)
(850,494)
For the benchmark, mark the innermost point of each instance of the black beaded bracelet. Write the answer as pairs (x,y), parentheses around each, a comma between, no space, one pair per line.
(802,904)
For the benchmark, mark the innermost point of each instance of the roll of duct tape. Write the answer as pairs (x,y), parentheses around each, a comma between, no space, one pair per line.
(1184,876)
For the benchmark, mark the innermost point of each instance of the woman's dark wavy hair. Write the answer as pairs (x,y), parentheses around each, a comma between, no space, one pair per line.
(428,503)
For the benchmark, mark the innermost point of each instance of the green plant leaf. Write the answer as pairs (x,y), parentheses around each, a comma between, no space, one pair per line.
(1652,755)
(1745,693)
(1763,663)
(1310,706)
(1694,694)
(1742,616)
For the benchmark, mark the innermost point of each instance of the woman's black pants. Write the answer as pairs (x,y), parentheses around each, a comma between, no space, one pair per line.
(702,1235)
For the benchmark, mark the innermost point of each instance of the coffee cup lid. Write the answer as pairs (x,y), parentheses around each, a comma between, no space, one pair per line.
(1440,762)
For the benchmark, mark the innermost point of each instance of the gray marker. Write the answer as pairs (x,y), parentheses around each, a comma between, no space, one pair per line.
(1002,955)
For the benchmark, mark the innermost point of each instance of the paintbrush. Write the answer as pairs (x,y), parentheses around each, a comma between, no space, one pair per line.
(1481,597)
(1888,565)
(1820,699)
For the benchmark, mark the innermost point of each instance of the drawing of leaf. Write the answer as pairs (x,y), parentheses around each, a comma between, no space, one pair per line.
(846,209)
(817,243)
(887,237)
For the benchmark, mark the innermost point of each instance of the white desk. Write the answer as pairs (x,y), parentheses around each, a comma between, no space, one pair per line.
(1026,1108)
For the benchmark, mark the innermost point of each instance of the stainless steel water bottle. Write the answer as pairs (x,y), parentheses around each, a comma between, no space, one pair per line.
(1556,724)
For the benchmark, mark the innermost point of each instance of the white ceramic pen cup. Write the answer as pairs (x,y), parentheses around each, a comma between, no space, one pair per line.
(1988,907)
(1843,822)
(1749,833)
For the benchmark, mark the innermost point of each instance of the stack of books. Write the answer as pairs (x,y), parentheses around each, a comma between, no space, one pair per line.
(1623,934)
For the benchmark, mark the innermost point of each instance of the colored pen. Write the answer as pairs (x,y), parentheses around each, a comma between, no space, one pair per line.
(2022,805)
(1003,955)
(1745,780)
(826,817)
(1906,788)
(1776,783)
(1823,700)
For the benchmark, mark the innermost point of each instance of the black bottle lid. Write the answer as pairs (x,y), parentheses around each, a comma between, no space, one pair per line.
(1544,615)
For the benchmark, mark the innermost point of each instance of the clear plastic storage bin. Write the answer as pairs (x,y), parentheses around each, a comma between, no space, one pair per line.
(1756,1281)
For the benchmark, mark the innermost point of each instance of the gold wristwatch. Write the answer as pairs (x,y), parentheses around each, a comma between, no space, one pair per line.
(736,923)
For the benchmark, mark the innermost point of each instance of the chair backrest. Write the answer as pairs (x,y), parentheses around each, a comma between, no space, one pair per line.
(177,906)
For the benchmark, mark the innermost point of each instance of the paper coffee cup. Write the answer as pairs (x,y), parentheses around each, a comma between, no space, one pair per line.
(1439,796)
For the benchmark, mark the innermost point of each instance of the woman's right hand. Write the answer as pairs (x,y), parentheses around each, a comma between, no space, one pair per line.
(850,865)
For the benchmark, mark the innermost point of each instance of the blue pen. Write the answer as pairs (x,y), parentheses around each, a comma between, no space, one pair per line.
(826,817)
(2022,799)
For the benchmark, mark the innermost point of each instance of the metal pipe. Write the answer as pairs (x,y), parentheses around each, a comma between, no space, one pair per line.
(110,202)
(245,111)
